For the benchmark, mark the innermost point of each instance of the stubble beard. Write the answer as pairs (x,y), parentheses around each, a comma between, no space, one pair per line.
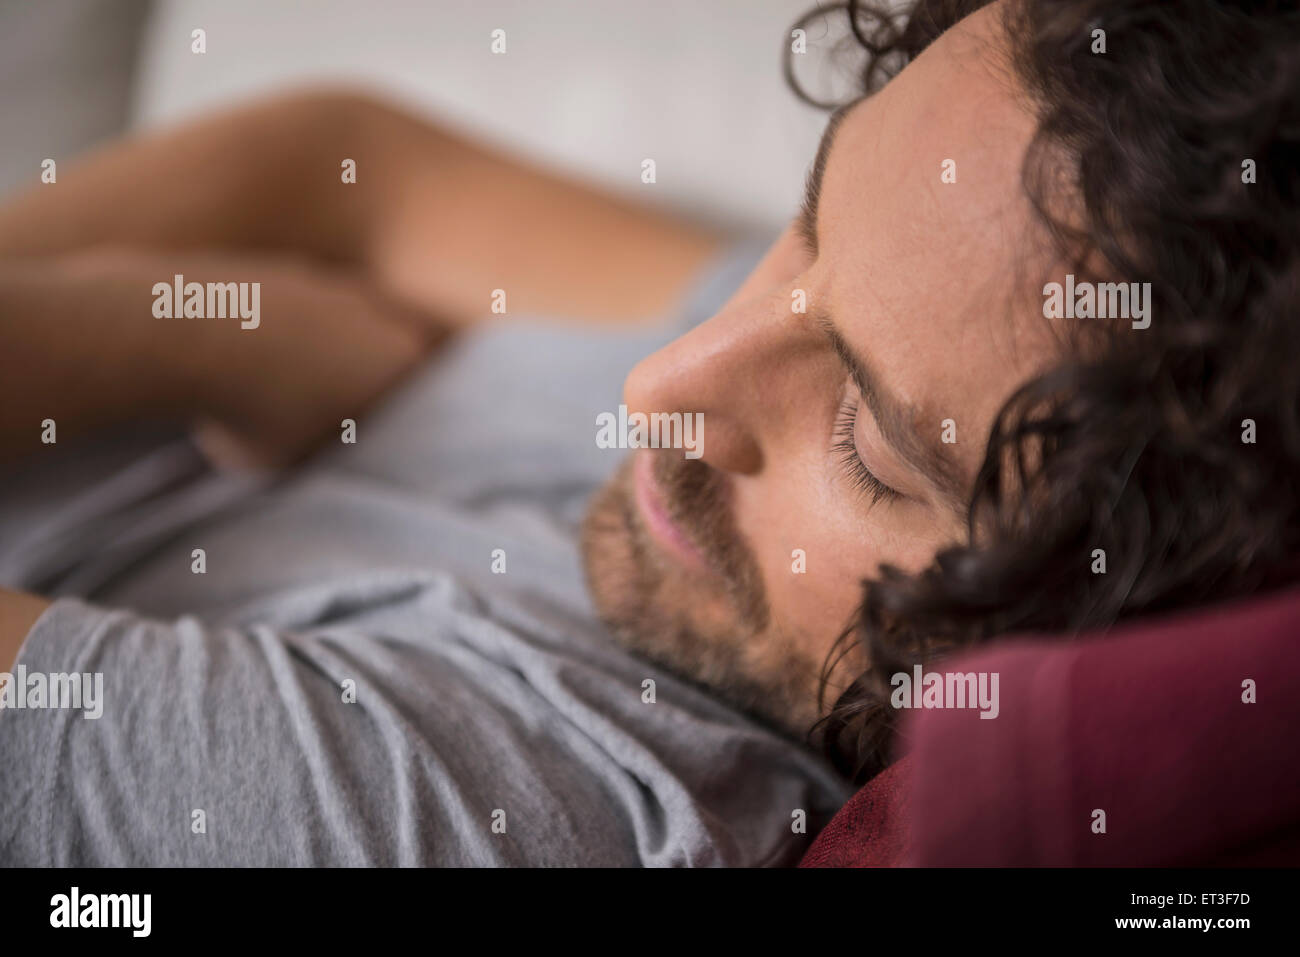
(716,631)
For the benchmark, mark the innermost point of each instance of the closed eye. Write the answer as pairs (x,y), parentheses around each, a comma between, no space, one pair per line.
(862,478)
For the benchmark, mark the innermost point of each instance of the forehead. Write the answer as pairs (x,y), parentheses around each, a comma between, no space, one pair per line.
(939,284)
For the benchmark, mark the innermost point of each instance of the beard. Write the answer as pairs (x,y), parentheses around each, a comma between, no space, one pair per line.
(713,629)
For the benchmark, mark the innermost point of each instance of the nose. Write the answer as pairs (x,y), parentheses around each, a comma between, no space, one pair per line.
(736,369)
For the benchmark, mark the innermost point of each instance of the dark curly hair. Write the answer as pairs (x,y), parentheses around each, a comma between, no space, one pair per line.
(1136,442)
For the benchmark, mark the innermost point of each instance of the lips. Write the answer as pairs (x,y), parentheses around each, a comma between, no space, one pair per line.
(657,519)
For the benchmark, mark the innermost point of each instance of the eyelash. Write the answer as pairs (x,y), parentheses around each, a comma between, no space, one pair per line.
(863,479)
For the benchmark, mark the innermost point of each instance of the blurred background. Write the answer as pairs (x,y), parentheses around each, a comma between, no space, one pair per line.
(587,87)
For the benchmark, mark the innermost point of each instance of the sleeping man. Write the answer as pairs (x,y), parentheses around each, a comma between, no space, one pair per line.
(367,583)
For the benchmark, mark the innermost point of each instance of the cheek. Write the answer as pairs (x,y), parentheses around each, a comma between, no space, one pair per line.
(814,550)
(812,565)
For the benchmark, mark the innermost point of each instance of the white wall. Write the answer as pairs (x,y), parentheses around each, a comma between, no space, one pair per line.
(65,80)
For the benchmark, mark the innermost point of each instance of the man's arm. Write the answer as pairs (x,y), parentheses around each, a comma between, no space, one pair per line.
(80,346)
(432,219)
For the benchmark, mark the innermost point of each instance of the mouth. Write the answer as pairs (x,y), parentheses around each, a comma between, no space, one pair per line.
(652,507)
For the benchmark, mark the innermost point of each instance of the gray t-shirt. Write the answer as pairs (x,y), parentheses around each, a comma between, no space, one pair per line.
(352,679)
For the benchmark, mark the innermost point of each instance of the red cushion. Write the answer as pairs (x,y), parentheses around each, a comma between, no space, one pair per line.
(1146,723)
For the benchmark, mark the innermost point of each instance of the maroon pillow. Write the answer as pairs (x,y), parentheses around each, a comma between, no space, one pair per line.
(1147,724)
(869,830)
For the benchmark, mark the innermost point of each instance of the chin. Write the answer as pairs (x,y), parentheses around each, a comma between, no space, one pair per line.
(674,619)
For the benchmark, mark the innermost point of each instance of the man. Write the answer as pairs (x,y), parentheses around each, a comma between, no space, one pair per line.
(388,654)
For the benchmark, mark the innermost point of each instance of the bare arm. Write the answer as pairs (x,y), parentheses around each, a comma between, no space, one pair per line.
(432,218)
(80,346)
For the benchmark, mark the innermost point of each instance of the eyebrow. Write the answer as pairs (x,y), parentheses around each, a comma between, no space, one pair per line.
(806,222)
(896,421)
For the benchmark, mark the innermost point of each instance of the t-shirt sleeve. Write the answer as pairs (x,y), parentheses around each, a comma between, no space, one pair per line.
(191,744)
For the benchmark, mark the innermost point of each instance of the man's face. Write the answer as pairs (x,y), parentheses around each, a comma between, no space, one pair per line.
(741,568)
